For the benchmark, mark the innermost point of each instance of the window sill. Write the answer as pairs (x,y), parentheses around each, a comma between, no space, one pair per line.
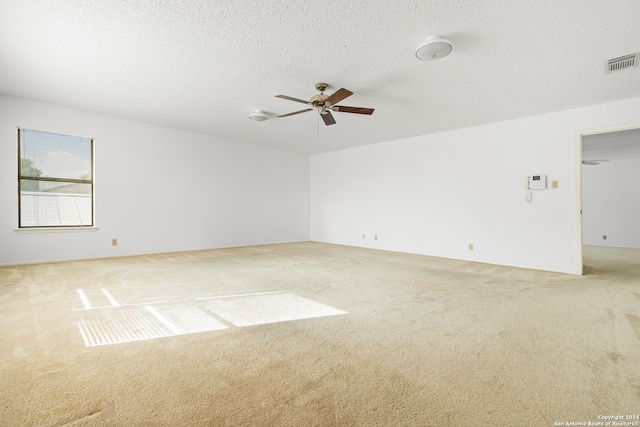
(36,230)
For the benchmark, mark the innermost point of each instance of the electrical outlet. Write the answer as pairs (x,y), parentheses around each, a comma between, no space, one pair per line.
(470,246)
(554,184)
(375,237)
(114,242)
(604,237)
(363,236)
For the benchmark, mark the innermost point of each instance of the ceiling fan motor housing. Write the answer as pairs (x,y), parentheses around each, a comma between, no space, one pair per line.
(318,100)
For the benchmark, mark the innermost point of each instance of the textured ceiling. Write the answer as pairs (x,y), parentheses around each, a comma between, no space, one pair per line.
(611,146)
(206,65)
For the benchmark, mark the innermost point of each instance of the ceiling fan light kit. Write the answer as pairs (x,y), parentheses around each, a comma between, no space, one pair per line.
(434,48)
(258,116)
(325,104)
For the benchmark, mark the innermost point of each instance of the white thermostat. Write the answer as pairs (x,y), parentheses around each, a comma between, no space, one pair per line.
(536,182)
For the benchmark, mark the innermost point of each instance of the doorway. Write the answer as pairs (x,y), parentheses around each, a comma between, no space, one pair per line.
(607,159)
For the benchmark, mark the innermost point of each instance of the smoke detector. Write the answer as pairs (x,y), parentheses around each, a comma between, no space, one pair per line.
(434,48)
(258,116)
(621,63)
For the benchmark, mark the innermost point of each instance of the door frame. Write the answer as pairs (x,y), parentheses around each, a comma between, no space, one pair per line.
(579,135)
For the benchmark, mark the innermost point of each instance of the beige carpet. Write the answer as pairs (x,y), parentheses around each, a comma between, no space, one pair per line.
(312,334)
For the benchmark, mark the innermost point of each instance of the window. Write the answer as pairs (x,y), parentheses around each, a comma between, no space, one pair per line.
(55,180)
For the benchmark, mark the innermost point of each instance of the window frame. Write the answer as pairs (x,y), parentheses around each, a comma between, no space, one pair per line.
(91,183)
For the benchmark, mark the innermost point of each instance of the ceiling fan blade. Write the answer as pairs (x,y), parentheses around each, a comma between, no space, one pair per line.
(328,118)
(338,96)
(292,99)
(357,110)
(296,112)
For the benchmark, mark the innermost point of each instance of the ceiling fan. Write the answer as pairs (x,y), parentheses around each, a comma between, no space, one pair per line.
(593,162)
(325,104)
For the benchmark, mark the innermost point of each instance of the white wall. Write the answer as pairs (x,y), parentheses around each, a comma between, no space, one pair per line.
(611,203)
(435,194)
(157,189)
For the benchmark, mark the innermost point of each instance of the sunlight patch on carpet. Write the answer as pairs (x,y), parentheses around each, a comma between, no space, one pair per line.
(143,324)
(269,308)
(191,320)
(117,324)
(119,327)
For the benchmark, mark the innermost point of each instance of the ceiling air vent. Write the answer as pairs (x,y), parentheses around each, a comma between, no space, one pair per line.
(621,63)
